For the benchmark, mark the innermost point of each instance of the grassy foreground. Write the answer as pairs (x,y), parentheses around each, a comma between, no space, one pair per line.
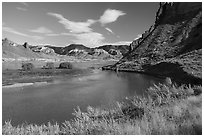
(169,109)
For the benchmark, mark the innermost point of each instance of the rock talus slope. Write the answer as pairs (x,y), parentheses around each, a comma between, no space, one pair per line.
(171,47)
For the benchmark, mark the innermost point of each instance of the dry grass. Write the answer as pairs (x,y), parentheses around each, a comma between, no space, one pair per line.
(169,109)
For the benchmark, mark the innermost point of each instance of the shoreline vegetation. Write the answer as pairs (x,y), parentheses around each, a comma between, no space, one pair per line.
(168,109)
(37,75)
(172,47)
(12,75)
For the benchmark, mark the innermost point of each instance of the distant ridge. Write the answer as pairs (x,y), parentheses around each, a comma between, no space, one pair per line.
(14,50)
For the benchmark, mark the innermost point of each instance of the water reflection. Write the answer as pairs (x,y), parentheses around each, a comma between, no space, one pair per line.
(56,101)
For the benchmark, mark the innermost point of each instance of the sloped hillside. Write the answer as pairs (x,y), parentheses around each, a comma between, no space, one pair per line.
(115,49)
(121,49)
(13,50)
(66,50)
(171,47)
(78,50)
(42,49)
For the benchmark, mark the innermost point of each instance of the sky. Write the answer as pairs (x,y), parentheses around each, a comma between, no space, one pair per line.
(89,23)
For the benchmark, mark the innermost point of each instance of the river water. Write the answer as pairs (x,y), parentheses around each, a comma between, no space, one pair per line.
(56,101)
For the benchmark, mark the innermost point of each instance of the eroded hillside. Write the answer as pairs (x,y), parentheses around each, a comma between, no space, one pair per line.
(171,47)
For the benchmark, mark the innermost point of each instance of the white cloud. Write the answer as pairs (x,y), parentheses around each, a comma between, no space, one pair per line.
(24,4)
(108,29)
(118,43)
(22,9)
(11,30)
(82,31)
(36,37)
(74,27)
(110,15)
(41,30)
(59,34)
(90,39)
(52,34)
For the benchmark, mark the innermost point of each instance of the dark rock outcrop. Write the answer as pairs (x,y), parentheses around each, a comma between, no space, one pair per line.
(26,45)
(175,38)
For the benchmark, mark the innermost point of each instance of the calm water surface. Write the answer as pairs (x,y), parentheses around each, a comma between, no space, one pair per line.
(56,101)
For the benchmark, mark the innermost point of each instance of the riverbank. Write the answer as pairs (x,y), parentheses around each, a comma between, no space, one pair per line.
(169,109)
(17,85)
(10,77)
(187,72)
(12,74)
(77,63)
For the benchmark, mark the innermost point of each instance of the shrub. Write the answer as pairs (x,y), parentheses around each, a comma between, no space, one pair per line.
(65,65)
(135,115)
(49,65)
(27,66)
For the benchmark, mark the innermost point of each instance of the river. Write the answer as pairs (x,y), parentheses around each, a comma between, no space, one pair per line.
(55,101)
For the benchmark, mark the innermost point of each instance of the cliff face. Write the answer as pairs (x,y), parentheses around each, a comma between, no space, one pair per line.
(171,13)
(175,40)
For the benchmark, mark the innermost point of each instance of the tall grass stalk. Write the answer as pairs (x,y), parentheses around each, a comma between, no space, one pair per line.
(169,109)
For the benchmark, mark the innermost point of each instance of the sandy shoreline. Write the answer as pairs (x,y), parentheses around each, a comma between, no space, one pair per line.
(16,85)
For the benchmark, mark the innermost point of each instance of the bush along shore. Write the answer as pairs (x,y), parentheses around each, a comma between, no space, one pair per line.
(168,109)
(29,73)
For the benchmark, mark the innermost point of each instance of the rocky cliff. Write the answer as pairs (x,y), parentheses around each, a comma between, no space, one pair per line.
(171,47)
